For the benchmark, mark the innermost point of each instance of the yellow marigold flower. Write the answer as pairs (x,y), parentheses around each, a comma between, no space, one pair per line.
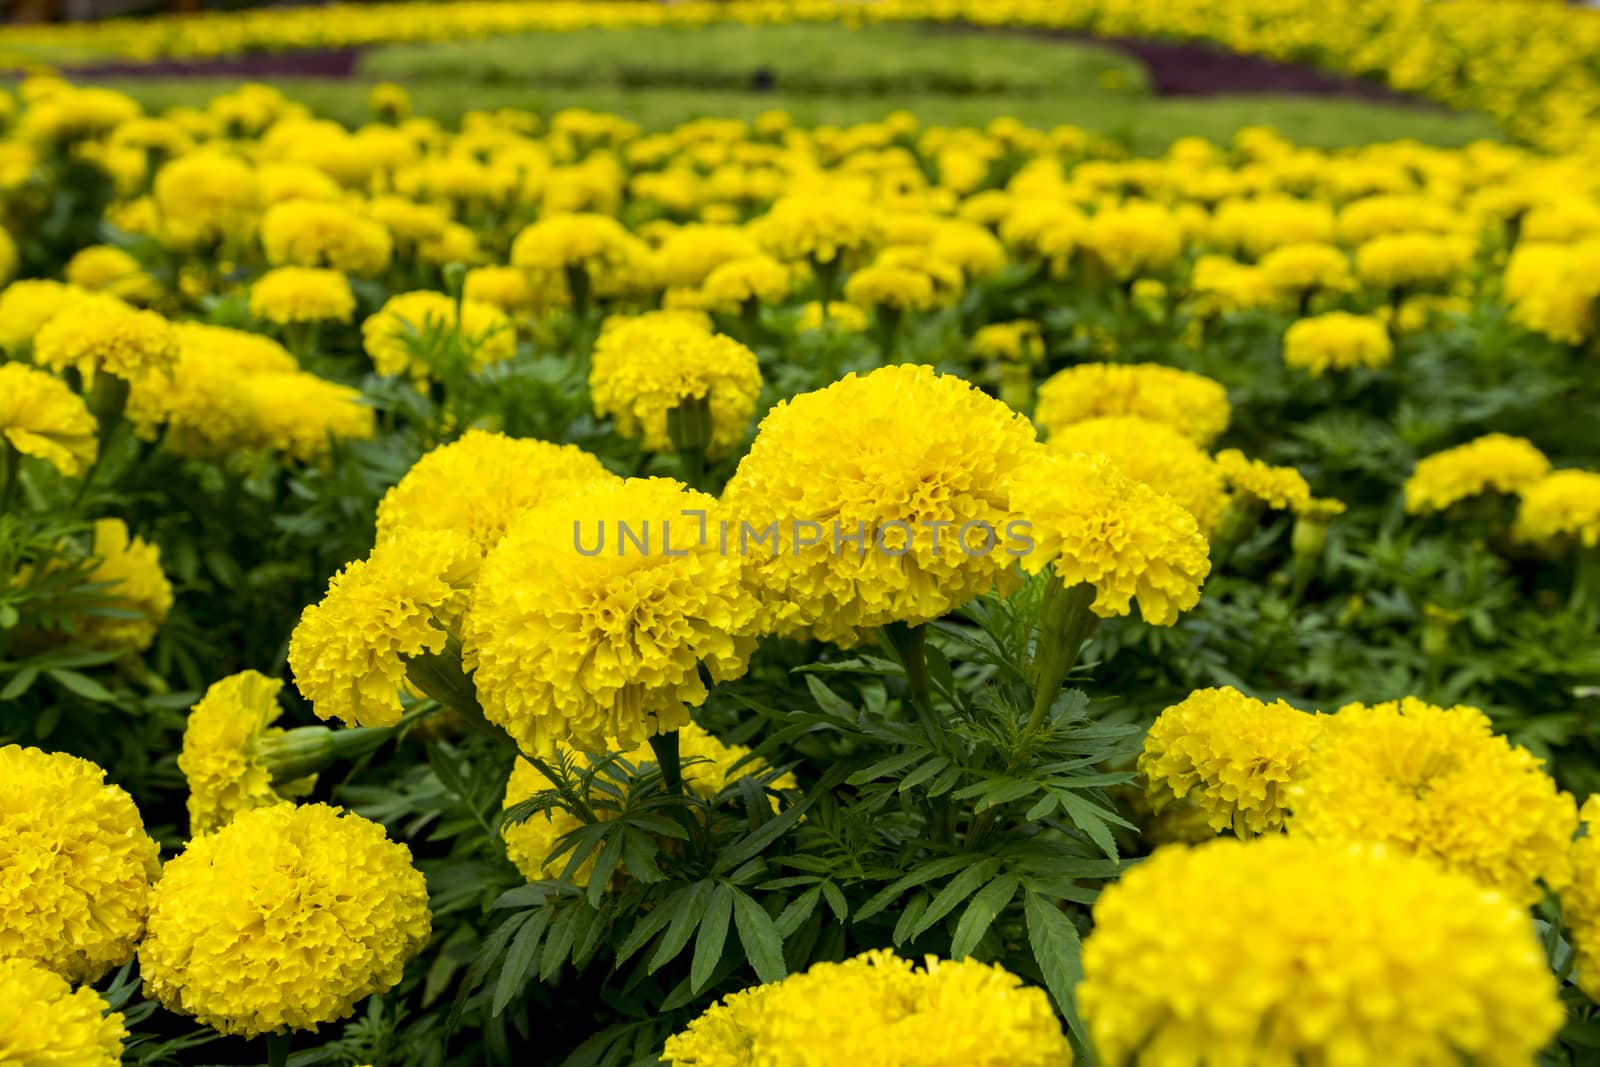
(1279,488)
(1258,225)
(76,114)
(969,246)
(40,416)
(709,767)
(1155,454)
(846,318)
(505,288)
(477,485)
(487,333)
(1232,755)
(689,254)
(310,233)
(1438,782)
(206,198)
(1018,341)
(283,919)
(287,295)
(1225,285)
(646,366)
(1133,239)
(1337,340)
(949,282)
(128,572)
(887,497)
(1195,406)
(1580,901)
(224,751)
(1561,506)
(758,279)
(1402,260)
(878,1008)
(1494,462)
(598,245)
(1095,525)
(301,415)
(823,228)
(299,181)
(205,404)
(75,866)
(107,269)
(389,101)
(100,333)
(883,285)
(1282,950)
(349,650)
(27,305)
(1308,266)
(590,644)
(44,1022)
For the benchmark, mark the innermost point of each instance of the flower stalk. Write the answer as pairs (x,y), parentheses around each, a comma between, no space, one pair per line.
(1065,623)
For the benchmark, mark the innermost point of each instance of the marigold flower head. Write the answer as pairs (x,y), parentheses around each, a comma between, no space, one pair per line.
(1563,506)
(40,416)
(406,319)
(44,1022)
(302,415)
(1282,950)
(846,318)
(108,269)
(506,288)
(1133,239)
(206,198)
(1195,406)
(27,305)
(1308,266)
(98,333)
(1155,454)
(287,295)
(349,651)
(903,475)
(75,866)
(204,403)
(646,366)
(1494,462)
(75,114)
(1403,260)
(757,279)
(1337,340)
(1226,285)
(283,919)
(224,751)
(1280,488)
(477,485)
(128,572)
(1257,225)
(1019,342)
(820,227)
(1232,755)
(1096,525)
(878,1008)
(884,285)
(969,246)
(689,254)
(595,645)
(1438,782)
(598,245)
(1580,901)
(312,233)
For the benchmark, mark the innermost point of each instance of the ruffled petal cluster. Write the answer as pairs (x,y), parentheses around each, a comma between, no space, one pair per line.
(223,758)
(1563,506)
(1155,454)
(283,919)
(1280,488)
(128,571)
(1195,406)
(286,295)
(40,416)
(44,1022)
(1286,951)
(409,321)
(102,334)
(1494,462)
(75,865)
(1337,340)
(877,1008)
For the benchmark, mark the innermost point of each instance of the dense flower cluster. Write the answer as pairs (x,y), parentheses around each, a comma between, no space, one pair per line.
(224,751)
(284,918)
(1337,341)
(1233,754)
(1155,454)
(397,336)
(1562,506)
(132,585)
(43,1020)
(879,1008)
(40,416)
(1438,782)
(75,865)
(1193,405)
(1580,901)
(1283,950)
(1494,462)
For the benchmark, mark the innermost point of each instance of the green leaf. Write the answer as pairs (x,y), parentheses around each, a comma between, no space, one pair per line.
(909,917)
(763,945)
(836,901)
(955,891)
(752,844)
(559,943)
(884,768)
(606,864)
(20,683)
(713,935)
(1092,821)
(894,890)
(986,904)
(923,773)
(519,960)
(83,685)
(653,922)
(799,910)
(682,926)
(827,699)
(1057,951)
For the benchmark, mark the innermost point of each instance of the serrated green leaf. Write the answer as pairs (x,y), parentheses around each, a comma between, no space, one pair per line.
(82,685)
(763,944)
(519,960)
(682,927)
(1058,952)
(927,872)
(712,936)
(987,903)
(20,683)
(954,892)
(798,910)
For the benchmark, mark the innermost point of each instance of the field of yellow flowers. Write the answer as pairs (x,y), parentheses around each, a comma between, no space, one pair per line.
(540,590)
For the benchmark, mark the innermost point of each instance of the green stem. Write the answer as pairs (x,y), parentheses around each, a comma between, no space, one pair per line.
(11,478)
(665,747)
(910,644)
(1065,623)
(278,1049)
(689,428)
(889,321)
